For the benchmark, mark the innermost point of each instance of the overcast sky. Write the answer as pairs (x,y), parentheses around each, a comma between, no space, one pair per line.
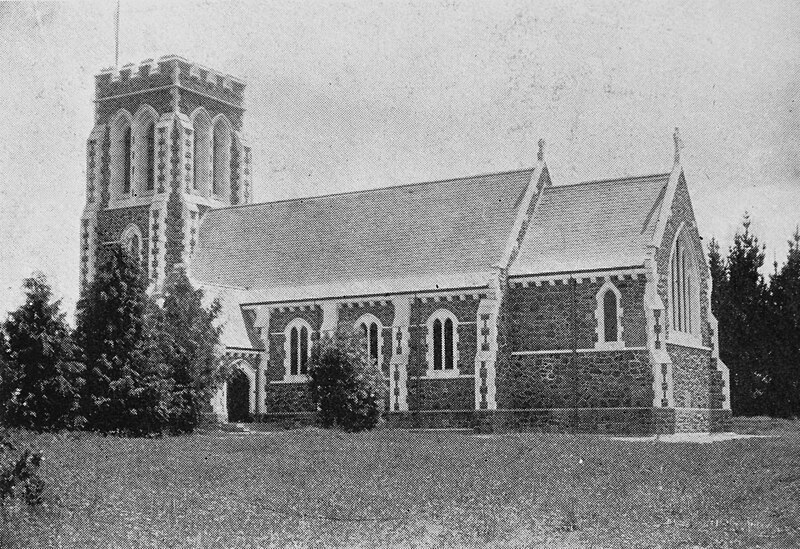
(352,95)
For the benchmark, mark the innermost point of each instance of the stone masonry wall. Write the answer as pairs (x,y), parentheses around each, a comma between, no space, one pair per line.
(348,316)
(287,397)
(607,379)
(423,393)
(691,374)
(174,245)
(623,421)
(111,223)
(442,394)
(160,100)
(541,316)
(697,390)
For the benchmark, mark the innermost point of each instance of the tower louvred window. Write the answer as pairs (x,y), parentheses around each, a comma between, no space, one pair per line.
(203,152)
(221,143)
(151,157)
(126,152)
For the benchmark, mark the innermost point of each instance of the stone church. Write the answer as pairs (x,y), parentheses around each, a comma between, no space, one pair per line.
(498,301)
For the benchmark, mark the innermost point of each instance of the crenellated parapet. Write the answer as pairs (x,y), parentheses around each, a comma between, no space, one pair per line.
(161,72)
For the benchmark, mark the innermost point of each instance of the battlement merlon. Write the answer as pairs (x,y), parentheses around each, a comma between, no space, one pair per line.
(154,74)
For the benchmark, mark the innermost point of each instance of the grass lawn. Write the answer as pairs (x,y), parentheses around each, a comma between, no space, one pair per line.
(312,488)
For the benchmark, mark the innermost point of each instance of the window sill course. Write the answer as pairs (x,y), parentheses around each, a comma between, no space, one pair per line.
(610,345)
(445,374)
(686,340)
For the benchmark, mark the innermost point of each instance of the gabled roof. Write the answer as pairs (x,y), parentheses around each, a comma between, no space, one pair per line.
(422,236)
(236,332)
(591,226)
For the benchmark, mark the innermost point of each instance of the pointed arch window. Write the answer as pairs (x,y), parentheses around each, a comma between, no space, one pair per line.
(684,290)
(150,163)
(126,161)
(202,152)
(120,155)
(370,331)
(144,150)
(297,349)
(442,356)
(221,158)
(131,241)
(609,317)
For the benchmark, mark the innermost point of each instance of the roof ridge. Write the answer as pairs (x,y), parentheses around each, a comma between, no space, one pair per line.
(375,189)
(611,180)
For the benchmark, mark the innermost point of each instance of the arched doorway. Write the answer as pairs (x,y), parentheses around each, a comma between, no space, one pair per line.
(238,397)
(235,399)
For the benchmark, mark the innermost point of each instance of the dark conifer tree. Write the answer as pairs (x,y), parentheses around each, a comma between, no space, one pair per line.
(744,345)
(785,328)
(40,377)
(126,391)
(719,277)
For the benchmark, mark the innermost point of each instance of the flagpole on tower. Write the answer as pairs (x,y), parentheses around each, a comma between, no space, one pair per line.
(116,37)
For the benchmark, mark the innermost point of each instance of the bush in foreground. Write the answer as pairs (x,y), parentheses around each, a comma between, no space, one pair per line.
(19,473)
(346,387)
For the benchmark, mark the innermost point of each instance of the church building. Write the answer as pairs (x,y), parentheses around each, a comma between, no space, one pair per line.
(498,302)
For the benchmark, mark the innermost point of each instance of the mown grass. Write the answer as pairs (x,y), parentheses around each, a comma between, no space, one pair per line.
(312,488)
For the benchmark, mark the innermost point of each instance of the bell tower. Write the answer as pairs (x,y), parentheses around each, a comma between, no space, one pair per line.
(166,147)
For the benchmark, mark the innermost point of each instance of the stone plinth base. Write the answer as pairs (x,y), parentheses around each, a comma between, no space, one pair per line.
(613,421)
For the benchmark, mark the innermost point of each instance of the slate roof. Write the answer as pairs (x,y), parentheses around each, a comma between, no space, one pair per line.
(591,226)
(422,236)
(235,332)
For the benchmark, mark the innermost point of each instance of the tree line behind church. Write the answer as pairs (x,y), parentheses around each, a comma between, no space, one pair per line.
(759,324)
(133,365)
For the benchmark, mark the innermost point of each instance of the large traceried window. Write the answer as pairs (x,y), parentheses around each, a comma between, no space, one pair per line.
(369,330)
(684,290)
(442,344)
(297,349)
(609,317)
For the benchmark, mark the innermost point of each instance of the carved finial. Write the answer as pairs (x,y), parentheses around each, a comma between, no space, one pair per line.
(678,145)
(540,155)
